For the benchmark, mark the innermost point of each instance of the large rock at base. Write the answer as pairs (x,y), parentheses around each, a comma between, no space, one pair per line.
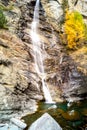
(45,122)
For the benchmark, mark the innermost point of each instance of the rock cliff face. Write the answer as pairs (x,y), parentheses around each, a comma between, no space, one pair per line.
(72,67)
(18,89)
(20,85)
(55,10)
(80,6)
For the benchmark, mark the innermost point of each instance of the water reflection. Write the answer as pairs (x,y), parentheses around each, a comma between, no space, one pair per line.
(73,117)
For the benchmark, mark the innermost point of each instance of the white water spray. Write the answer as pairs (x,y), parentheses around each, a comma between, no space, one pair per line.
(37,49)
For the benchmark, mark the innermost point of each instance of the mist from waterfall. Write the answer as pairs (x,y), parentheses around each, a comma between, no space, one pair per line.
(38,46)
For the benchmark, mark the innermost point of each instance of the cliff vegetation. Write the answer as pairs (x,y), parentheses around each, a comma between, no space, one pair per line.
(74,30)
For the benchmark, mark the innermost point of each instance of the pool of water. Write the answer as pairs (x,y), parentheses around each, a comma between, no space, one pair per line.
(70,116)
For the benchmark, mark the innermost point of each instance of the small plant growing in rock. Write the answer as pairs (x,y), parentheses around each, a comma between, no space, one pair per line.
(74,29)
(65,5)
(3,21)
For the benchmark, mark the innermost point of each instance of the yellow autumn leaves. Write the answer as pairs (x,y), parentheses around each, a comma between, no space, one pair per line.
(74,29)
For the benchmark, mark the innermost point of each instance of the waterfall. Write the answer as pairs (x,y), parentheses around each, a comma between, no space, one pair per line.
(37,50)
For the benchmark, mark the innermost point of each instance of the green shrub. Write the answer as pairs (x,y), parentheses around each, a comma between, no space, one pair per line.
(3,21)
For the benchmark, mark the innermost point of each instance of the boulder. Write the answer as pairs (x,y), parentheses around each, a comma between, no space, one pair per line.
(15,124)
(45,122)
(9,127)
(3,126)
(18,123)
(13,127)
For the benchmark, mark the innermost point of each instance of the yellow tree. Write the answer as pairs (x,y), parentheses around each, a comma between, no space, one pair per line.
(74,29)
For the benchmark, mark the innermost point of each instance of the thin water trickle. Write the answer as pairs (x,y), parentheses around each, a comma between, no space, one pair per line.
(37,50)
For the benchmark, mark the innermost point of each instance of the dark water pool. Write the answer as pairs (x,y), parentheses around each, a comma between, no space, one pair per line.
(70,116)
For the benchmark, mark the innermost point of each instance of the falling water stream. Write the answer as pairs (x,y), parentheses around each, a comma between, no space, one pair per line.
(37,50)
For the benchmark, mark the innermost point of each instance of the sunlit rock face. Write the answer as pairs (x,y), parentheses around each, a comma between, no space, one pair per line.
(54,12)
(18,84)
(15,63)
(12,14)
(80,6)
(55,9)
